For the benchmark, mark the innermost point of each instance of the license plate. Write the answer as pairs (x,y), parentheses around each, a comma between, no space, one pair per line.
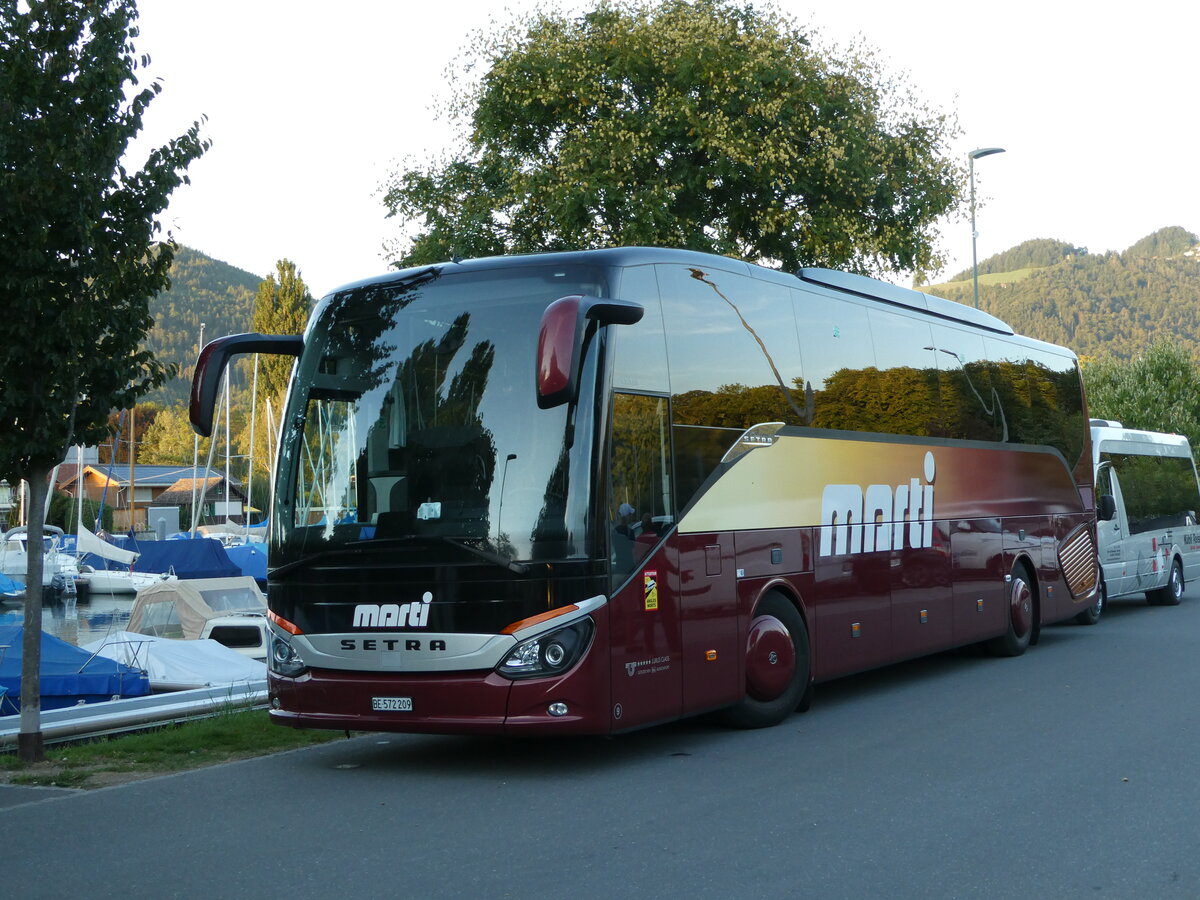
(391,704)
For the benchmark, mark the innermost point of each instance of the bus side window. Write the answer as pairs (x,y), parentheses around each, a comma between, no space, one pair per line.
(641,349)
(839,362)
(640,500)
(971,406)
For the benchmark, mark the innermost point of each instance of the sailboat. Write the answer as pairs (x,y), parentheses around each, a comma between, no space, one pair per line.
(112,581)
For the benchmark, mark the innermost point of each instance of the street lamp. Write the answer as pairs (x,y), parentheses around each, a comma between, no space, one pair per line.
(971,157)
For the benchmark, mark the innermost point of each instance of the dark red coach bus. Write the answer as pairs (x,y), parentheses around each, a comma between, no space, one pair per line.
(589,492)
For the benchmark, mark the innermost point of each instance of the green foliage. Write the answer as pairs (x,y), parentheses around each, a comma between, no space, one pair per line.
(170,440)
(1170,241)
(707,125)
(280,307)
(79,260)
(1159,390)
(64,512)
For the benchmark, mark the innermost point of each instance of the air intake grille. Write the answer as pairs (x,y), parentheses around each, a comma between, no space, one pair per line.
(1077,557)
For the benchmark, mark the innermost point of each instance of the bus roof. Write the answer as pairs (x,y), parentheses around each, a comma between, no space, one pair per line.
(859,286)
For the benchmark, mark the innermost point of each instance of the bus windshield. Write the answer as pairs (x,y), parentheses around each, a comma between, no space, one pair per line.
(413,416)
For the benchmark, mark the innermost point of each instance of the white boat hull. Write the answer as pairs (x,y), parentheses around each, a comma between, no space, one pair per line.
(115,581)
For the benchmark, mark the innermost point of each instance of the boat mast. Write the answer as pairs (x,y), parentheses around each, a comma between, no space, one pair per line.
(228,429)
(132,437)
(250,470)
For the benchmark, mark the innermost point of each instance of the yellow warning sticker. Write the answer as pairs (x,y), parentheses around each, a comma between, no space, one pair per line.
(650,583)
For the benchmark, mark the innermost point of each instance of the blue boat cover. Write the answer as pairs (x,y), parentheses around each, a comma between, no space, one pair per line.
(201,558)
(68,674)
(251,558)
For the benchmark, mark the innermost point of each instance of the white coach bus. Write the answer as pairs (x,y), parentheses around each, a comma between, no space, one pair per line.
(1146,529)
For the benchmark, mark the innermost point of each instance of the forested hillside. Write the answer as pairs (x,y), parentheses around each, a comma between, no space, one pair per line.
(1100,305)
(202,290)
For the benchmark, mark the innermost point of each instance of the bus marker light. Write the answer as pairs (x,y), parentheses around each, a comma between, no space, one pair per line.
(539,618)
(283,623)
(979,605)
(924,617)
(856,629)
(557,709)
(710,655)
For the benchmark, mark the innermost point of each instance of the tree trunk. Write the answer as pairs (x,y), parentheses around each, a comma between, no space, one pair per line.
(29,740)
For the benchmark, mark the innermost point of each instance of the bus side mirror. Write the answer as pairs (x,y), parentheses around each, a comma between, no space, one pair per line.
(212,362)
(560,342)
(1106,508)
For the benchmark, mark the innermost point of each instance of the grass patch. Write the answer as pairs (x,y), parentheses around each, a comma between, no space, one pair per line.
(173,748)
(994,278)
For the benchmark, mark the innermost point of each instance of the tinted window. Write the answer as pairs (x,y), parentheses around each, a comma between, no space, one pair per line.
(839,361)
(640,506)
(732,346)
(640,358)
(971,407)
(905,398)
(1159,491)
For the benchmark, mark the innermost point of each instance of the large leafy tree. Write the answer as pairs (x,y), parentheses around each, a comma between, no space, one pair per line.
(1159,390)
(79,253)
(707,124)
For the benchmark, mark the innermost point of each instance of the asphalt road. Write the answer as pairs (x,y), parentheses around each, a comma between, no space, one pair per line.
(1068,772)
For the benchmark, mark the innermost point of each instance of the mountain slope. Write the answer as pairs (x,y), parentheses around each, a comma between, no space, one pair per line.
(203,290)
(1099,305)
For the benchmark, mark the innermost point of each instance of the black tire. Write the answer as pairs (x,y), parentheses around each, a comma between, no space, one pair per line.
(1172,592)
(1091,615)
(1022,616)
(761,707)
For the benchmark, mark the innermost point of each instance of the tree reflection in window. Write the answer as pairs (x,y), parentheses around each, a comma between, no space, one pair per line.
(640,506)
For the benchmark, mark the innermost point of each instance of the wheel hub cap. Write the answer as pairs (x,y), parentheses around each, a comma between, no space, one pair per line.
(1022,607)
(770,658)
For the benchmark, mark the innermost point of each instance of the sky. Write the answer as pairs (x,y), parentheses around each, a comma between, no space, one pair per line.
(311,106)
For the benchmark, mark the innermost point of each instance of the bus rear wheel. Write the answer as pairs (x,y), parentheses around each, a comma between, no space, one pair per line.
(777,665)
(1021,611)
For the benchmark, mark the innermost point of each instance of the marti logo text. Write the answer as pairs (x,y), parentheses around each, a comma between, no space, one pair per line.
(393,615)
(854,521)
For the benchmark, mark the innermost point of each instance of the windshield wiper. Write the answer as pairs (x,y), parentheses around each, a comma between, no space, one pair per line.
(497,558)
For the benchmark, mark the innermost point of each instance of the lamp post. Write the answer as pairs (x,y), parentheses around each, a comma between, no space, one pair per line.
(971,157)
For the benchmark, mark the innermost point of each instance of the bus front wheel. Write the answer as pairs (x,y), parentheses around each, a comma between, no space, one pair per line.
(777,665)
(1021,611)
(1091,615)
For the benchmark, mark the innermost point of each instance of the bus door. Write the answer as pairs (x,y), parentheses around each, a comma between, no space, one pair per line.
(644,610)
(1113,538)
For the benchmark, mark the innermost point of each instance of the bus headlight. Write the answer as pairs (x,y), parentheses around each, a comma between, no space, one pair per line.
(548,654)
(284,660)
